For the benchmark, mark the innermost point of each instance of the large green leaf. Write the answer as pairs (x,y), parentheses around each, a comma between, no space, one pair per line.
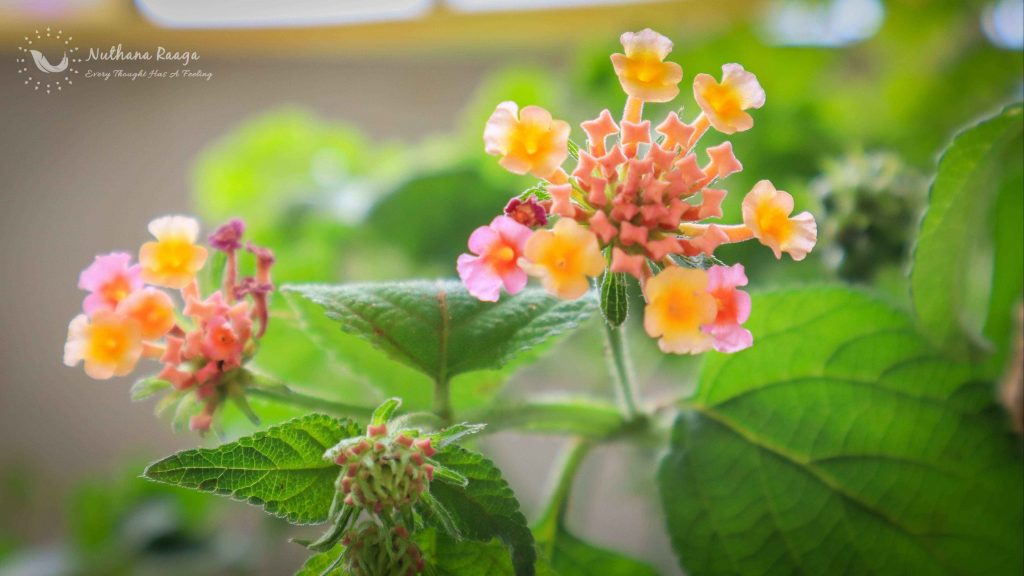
(281,469)
(957,227)
(441,330)
(486,507)
(841,443)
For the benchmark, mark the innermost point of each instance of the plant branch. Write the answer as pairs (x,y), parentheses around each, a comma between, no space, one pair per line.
(552,518)
(285,395)
(621,367)
(587,417)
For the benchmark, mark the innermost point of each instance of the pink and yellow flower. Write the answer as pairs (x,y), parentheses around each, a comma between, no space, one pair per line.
(201,348)
(174,259)
(766,212)
(642,70)
(108,343)
(528,141)
(733,308)
(497,250)
(564,257)
(678,307)
(725,103)
(109,279)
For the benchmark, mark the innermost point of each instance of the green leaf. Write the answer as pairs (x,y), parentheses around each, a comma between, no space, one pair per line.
(571,556)
(442,331)
(614,298)
(281,469)
(486,507)
(314,355)
(384,412)
(956,227)
(1008,255)
(144,388)
(317,564)
(841,443)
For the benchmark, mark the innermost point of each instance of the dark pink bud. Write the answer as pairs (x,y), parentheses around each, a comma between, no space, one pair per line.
(429,470)
(340,460)
(379,430)
(528,213)
(404,440)
(228,237)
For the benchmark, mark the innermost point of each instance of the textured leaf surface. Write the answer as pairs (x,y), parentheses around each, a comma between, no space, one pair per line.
(486,508)
(841,443)
(281,469)
(439,329)
(957,221)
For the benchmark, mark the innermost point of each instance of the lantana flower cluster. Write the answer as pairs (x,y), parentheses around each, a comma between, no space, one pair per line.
(637,202)
(128,314)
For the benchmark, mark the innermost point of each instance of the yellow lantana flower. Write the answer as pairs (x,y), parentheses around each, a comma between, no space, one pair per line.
(528,141)
(564,257)
(108,343)
(725,103)
(642,70)
(678,305)
(766,213)
(174,259)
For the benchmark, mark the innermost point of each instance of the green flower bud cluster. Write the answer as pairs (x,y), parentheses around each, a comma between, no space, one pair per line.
(373,550)
(384,472)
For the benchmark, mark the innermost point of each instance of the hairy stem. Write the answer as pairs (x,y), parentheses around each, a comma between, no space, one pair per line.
(553,516)
(621,366)
(443,400)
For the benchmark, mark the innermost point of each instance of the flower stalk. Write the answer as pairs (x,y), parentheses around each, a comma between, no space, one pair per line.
(620,365)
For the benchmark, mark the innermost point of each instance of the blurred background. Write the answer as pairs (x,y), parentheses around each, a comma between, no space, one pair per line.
(348,135)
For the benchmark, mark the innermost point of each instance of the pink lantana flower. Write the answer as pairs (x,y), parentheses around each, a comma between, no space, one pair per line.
(110,279)
(733,309)
(497,248)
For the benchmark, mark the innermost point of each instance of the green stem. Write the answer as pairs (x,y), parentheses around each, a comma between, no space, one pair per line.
(284,395)
(443,400)
(586,417)
(621,367)
(553,516)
